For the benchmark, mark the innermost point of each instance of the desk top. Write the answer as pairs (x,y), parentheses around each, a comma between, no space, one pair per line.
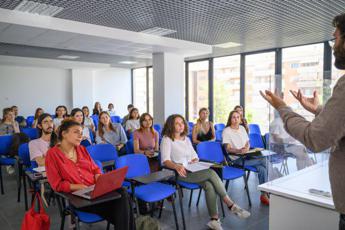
(257,152)
(296,185)
(33,178)
(154,177)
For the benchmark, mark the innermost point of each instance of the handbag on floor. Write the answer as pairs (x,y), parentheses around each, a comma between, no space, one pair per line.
(36,220)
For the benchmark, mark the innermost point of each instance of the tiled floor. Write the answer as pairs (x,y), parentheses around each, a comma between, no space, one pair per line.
(11,212)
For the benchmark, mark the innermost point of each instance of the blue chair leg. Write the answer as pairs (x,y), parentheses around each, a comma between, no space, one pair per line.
(197,203)
(161,209)
(190,198)
(222,206)
(1,182)
(247,189)
(179,189)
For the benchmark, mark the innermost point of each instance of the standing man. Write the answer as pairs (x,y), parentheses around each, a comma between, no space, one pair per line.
(328,127)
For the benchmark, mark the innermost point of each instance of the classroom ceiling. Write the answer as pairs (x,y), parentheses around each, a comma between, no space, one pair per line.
(256,25)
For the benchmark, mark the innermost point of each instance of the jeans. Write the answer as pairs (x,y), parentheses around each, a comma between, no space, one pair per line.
(342,222)
(259,164)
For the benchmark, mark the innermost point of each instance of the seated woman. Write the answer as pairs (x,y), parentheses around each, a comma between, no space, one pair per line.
(203,130)
(177,151)
(236,140)
(244,122)
(38,113)
(111,133)
(88,122)
(146,140)
(78,115)
(60,114)
(70,168)
(97,109)
(8,124)
(132,123)
(47,138)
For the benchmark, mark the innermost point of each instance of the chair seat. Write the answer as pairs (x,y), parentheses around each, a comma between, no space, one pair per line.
(188,185)
(230,173)
(251,168)
(87,217)
(7,161)
(154,191)
(126,184)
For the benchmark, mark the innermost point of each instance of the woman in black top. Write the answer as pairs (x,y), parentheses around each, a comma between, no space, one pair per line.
(203,130)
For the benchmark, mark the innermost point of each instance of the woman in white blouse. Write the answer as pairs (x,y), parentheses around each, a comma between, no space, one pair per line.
(177,151)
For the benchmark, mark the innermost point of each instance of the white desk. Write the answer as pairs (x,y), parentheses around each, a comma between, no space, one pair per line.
(292,207)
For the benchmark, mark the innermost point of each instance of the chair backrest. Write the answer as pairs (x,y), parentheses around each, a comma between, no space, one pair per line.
(32,133)
(219,126)
(115,119)
(190,126)
(24,154)
(267,140)
(102,152)
(256,141)
(29,121)
(210,151)
(85,143)
(138,164)
(91,136)
(130,146)
(99,164)
(95,120)
(158,128)
(5,144)
(254,128)
(219,136)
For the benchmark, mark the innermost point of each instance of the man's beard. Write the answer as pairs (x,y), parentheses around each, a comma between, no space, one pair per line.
(339,54)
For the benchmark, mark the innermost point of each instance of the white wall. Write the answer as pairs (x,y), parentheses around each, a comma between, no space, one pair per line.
(31,87)
(113,85)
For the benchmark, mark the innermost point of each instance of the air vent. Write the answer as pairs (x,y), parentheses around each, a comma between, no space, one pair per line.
(158,31)
(38,8)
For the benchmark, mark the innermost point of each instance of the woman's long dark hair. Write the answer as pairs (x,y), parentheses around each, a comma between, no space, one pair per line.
(61,106)
(142,119)
(65,125)
(74,111)
(36,113)
(100,125)
(169,126)
(230,116)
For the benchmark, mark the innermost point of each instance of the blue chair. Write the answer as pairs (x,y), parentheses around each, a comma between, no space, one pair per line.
(219,137)
(212,152)
(5,148)
(256,141)
(219,126)
(158,128)
(115,119)
(91,136)
(138,165)
(254,128)
(85,143)
(95,120)
(32,133)
(130,146)
(29,121)
(103,153)
(24,164)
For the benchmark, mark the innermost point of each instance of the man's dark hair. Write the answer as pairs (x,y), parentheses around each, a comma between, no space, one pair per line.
(339,22)
(130,106)
(53,137)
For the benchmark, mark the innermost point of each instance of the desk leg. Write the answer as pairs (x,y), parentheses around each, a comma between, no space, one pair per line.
(25,192)
(247,189)
(179,189)
(20,173)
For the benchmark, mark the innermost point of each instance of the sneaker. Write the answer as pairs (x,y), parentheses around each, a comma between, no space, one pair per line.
(239,212)
(264,200)
(10,169)
(215,224)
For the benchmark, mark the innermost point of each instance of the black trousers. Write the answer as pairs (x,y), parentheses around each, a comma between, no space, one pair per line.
(342,222)
(118,212)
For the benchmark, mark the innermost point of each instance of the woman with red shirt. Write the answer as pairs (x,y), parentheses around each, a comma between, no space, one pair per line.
(69,168)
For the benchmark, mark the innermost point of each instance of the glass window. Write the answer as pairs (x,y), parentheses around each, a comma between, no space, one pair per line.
(226,86)
(336,74)
(197,88)
(306,75)
(151,91)
(259,71)
(139,89)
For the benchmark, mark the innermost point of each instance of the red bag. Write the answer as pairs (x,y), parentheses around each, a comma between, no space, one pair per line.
(36,221)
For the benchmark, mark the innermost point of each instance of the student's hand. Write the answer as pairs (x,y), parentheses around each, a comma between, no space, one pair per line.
(76,187)
(244,150)
(148,153)
(309,103)
(181,170)
(194,160)
(273,98)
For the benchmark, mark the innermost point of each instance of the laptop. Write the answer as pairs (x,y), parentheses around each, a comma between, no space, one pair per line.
(106,183)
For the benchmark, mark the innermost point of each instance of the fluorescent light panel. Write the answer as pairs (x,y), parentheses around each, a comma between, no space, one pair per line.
(38,8)
(68,57)
(228,45)
(128,62)
(158,31)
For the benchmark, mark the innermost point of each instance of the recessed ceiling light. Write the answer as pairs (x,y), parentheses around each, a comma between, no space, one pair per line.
(128,62)
(158,31)
(38,8)
(68,57)
(228,45)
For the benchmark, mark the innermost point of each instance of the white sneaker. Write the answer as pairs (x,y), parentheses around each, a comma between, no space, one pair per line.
(10,169)
(215,224)
(238,211)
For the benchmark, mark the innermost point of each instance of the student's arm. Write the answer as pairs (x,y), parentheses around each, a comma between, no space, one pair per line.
(16,127)
(122,135)
(230,149)
(195,136)
(156,141)
(213,131)
(180,169)
(40,160)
